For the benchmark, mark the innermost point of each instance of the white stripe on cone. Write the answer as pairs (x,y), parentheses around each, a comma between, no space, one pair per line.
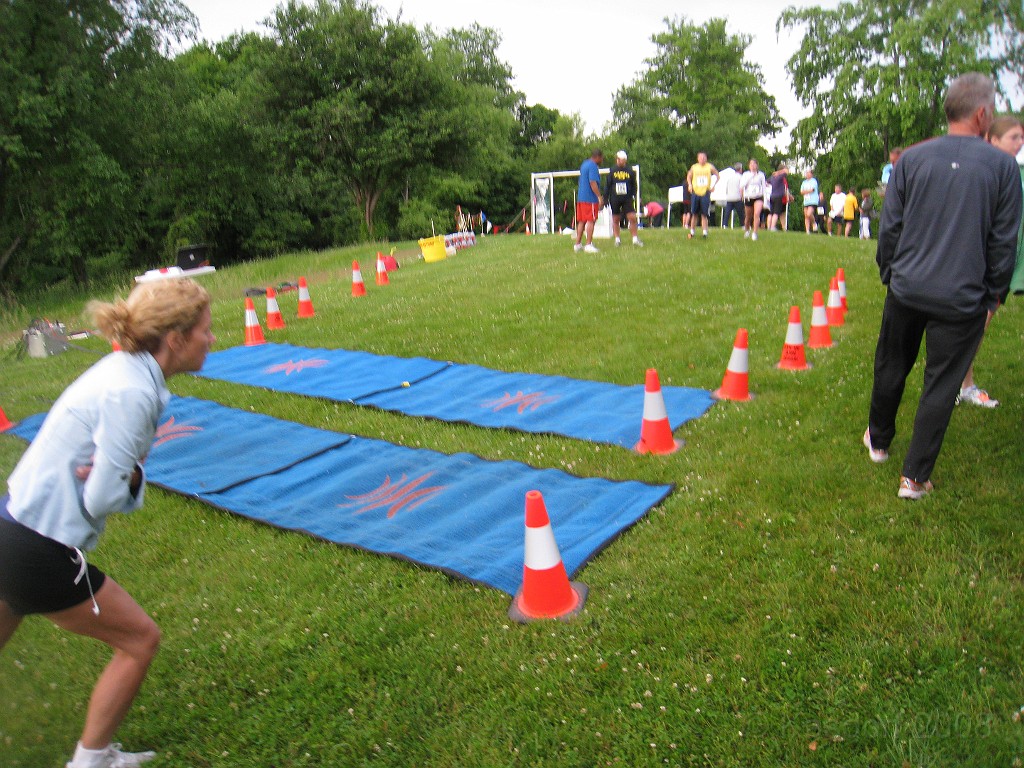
(795,334)
(541,550)
(739,360)
(818,315)
(654,406)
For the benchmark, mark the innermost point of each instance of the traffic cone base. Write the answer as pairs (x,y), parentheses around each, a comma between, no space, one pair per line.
(735,383)
(546,592)
(5,423)
(655,430)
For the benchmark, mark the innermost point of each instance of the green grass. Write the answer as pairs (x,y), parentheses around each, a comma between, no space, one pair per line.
(782,607)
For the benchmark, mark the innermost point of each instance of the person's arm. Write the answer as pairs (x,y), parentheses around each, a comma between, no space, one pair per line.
(115,481)
(891,226)
(689,179)
(1002,239)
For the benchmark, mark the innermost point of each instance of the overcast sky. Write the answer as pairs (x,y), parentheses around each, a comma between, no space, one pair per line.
(599,45)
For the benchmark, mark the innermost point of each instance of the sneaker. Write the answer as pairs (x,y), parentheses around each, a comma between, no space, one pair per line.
(638,242)
(877,456)
(618,242)
(746,233)
(590,248)
(914,491)
(705,234)
(976,396)
(113,757)
(754,236)
(577,247)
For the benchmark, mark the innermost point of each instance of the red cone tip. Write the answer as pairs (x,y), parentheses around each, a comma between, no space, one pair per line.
(834,285)
(741,338)
(355,266)
(271,293)
(651,383)
(794,314)
(840,274)
(818,301)
(536,512)
(249,304)
(302,282)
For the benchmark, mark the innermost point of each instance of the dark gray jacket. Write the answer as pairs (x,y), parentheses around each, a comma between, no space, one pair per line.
(948,237)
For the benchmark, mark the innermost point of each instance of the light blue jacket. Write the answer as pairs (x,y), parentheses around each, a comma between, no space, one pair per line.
(107,419)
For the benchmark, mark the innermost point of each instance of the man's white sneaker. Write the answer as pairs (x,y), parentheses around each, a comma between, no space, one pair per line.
(746,233)
(913,490)
(618,242)
(578,247)
(114,757)
(877,456)
(754,236)
(590,248)
(976,396)
(638,242)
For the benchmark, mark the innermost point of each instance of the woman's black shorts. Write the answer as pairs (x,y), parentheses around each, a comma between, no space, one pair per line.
(37,574)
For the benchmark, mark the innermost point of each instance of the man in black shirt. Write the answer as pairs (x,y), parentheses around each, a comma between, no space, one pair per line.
(620,192)
(946,250)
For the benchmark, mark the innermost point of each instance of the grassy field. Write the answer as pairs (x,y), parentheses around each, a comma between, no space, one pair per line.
(781,607)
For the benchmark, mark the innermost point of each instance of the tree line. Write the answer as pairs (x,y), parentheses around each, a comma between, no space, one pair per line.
(122,139)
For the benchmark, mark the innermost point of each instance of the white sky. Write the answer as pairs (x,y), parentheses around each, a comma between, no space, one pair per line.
(552,44)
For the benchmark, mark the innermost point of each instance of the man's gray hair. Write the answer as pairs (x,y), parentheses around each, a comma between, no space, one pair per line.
(966,94)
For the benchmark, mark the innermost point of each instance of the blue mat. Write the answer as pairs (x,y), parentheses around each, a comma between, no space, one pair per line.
(586,410)
(458,513)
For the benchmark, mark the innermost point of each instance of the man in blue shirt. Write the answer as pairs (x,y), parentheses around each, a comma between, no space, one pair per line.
(588,201)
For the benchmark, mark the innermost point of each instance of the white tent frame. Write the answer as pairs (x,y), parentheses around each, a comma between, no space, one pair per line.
(550,197)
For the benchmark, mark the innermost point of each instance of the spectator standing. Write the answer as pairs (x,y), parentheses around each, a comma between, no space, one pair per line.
(850,208)
(588,201)
(752,188)
(699,180)
(778,185)
(836,203)
(1005,134)
(729,183)
(867,208)
(811,197)
(946,250)
(894,155)
(620,191)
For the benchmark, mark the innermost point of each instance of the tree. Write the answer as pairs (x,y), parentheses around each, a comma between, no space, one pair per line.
(68,77)
(358,105)
(874,72)
(697,93)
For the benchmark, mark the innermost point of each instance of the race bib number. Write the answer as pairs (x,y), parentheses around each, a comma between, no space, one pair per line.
(621,188)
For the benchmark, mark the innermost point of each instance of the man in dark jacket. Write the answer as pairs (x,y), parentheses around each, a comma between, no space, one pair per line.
(946,250)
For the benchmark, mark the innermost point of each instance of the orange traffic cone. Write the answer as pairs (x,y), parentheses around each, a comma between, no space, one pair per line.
(382,271)
(834,310)
(274,320)
(841,279)
(655,431)
(793,357)
(253,332)
(358,286)
(305,303)
(528,229)
(735,383)
(547,592)
(5,423)
(820,334)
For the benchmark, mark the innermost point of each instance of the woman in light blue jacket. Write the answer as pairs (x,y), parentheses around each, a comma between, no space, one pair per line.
(85,464)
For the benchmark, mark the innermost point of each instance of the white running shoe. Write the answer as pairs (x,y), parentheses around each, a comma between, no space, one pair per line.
(877,456)
(577,247)
(590,248)
(913,490)
(638,242)
(618,242)
(746,233)
(113,757)
(754,236)
(976,396)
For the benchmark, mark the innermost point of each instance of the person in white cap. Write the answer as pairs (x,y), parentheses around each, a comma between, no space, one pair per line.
(620,192)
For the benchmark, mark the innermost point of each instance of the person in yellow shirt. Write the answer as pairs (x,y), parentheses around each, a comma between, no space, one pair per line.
(699,180)
(850,208)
